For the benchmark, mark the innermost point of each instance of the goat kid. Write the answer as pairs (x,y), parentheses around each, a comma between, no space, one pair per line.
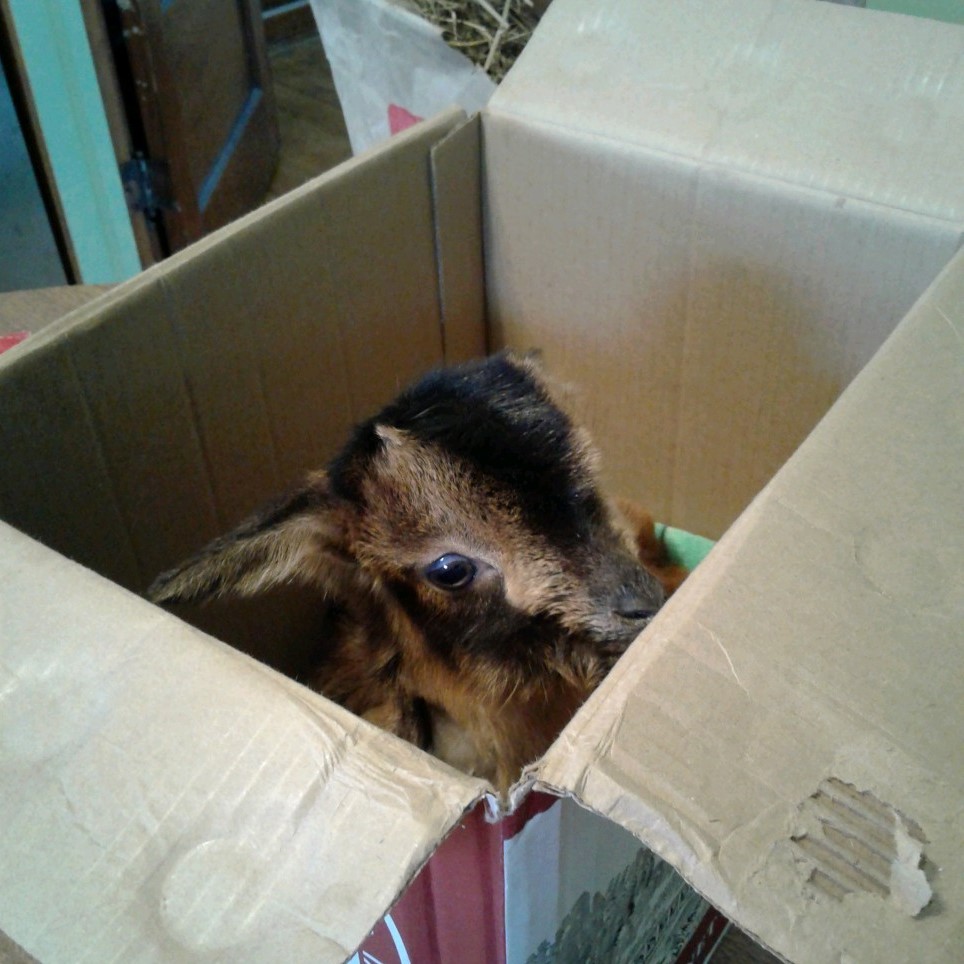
(482,584)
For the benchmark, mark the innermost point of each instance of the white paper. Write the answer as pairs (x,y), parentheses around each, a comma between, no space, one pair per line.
(389,65)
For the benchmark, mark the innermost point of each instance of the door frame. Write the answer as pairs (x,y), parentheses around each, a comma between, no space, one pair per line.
(189,206)
(52,55)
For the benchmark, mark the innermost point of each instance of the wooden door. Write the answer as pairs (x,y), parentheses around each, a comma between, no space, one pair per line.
(200,105)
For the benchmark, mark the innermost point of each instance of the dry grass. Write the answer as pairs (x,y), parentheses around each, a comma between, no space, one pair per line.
(491,33)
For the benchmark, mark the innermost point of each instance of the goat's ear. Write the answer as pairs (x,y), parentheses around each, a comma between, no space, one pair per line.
(650,549)
(304,538)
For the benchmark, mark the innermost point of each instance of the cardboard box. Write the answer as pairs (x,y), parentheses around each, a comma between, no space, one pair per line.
(710,225)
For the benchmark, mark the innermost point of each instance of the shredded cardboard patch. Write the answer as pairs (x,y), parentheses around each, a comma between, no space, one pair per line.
(856,843)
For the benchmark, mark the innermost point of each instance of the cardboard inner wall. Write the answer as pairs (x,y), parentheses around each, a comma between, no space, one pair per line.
(456,163)
(709,325)
(166,412)
(717,223)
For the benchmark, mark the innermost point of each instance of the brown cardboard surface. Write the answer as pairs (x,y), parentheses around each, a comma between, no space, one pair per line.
(457,195)
(825,97)
(678,213)
(817,658)
(166,798)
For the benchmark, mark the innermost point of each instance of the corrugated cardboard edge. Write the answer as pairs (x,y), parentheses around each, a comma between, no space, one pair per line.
(429,132)
(730,816)
(457,198)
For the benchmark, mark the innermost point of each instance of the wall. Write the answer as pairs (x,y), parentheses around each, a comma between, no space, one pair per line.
(28,252)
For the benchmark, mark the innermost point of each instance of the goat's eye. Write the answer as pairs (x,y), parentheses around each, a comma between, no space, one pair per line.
(451,571)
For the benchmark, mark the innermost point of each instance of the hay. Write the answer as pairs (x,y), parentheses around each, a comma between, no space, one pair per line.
(491,33)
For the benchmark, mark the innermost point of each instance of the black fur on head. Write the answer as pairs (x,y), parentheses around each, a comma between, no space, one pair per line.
(497,417)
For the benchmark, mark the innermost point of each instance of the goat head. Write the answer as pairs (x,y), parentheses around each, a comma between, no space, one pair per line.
(483,584)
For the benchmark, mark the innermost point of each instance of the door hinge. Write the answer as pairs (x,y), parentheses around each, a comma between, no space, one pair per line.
(147,185)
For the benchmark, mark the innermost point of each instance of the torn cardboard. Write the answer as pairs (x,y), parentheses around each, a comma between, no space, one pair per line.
(853,842)
(709,297)
(167,798)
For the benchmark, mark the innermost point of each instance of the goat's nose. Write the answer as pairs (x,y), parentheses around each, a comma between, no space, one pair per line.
(634,604)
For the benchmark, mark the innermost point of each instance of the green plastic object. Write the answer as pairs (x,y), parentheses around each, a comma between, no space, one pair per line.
(684,548)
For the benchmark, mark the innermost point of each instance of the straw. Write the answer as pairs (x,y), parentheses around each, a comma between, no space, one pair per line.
(491,33)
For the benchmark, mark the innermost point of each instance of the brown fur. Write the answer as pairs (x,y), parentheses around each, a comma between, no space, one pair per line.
(650,550)
(478,464)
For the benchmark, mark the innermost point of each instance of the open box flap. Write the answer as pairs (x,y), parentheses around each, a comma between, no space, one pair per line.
(787,732)
(822,96)
(166,797)
(679,215)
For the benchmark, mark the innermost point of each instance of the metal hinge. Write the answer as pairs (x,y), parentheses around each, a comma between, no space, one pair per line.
(147,185)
